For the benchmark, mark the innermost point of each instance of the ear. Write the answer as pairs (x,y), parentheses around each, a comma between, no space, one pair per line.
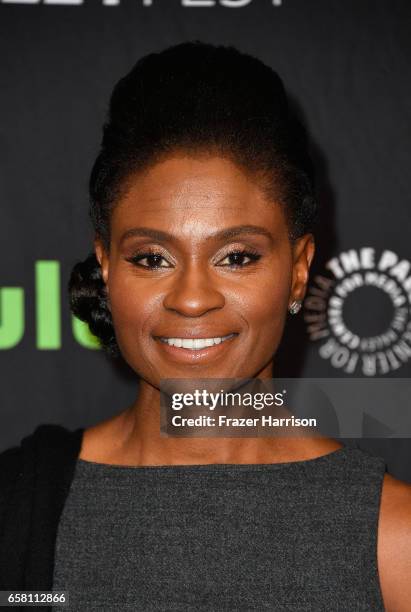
(303,254)
(103,259)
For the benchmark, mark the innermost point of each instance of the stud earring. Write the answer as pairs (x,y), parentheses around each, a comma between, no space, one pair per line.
(295,307)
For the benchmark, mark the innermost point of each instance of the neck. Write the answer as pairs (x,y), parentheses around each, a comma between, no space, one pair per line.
(133,438)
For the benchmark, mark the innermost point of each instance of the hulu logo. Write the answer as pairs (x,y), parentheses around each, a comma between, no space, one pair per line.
(47,312)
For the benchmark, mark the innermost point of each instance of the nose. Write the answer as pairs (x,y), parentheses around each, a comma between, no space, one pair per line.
(193,293)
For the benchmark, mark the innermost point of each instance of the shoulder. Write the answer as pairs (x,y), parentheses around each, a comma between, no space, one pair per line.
(10,467)
(394,544)
(43,458)
(49,440)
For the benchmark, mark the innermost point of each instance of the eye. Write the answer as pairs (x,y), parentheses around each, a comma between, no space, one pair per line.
(153,258)
(238,256)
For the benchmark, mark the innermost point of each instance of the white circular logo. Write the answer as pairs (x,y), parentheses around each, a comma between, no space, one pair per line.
(340,311)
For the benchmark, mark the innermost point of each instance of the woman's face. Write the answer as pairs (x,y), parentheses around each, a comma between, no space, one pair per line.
(197,251)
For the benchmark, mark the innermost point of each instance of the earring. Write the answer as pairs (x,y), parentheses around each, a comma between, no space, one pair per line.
(295,307)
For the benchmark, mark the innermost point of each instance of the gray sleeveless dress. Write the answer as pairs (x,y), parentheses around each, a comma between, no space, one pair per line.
(223,537)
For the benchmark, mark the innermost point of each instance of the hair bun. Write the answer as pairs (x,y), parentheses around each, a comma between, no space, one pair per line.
(88,301)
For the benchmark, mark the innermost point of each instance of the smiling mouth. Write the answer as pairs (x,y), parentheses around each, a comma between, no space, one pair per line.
(195,344)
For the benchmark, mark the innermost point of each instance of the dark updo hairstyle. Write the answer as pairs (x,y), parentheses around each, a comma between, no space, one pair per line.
(201,98)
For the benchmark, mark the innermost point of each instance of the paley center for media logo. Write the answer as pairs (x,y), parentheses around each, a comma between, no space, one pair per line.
(339,319)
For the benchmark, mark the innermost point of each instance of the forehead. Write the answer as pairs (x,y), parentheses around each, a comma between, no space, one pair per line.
(187,193)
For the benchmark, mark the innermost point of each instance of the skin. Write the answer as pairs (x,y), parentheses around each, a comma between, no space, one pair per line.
(192,198)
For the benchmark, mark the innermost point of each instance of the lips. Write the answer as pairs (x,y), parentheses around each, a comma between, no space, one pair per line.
(191,354)
(191,335)
(195,343)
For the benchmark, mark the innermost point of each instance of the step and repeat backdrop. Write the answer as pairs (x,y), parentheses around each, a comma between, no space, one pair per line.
(345,64)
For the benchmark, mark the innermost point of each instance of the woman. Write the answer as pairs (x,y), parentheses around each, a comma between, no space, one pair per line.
(202,202)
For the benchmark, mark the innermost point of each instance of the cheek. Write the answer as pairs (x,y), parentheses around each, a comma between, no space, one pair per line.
(266,300)
(266,313)
(133,303)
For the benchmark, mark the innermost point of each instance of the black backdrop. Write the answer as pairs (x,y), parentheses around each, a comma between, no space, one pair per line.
(346,67)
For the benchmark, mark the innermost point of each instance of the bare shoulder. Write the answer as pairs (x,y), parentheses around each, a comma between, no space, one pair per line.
(394,544)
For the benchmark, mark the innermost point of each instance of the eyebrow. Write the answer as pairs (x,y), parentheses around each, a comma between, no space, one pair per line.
(225,234)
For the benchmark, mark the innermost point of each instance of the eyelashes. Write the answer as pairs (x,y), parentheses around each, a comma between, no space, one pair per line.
(155,258)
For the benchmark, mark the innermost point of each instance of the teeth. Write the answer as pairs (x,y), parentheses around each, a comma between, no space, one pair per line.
(194,344)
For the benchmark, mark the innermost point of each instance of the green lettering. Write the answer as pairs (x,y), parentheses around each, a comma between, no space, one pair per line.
(83,335)
(11,316)
(48,306)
